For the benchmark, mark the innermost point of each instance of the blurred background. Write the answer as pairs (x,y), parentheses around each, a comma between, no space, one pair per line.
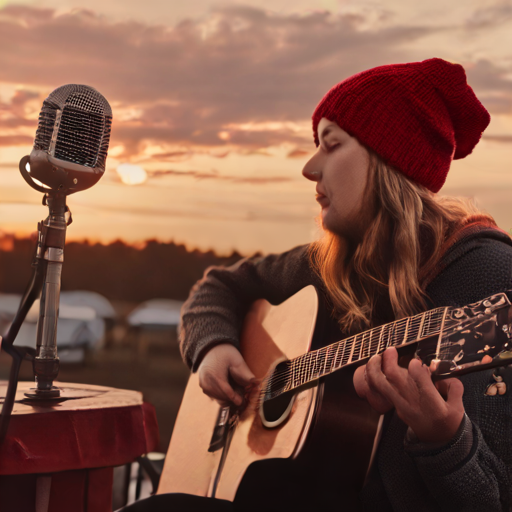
(212,104)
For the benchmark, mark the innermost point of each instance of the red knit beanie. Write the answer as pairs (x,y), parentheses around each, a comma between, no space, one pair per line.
(417,117)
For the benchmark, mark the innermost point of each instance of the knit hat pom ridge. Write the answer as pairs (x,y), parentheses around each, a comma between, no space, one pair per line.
(417,117)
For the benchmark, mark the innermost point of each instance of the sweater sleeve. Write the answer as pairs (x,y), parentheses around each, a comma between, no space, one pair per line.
(474,471)
(217,304)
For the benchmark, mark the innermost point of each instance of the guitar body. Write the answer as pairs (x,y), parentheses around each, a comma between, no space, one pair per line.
(318,453)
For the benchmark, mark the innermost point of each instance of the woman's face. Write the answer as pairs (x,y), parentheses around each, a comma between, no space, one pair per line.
(340,168)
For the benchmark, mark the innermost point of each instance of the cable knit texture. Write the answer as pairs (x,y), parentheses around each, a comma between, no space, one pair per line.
(473,472)
(417,116)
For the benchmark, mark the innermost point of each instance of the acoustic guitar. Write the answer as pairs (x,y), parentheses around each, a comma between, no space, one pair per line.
(305,426)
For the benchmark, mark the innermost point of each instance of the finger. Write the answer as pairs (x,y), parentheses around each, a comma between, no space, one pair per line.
(360,383)
(421,377)
(219,390)
(454,392)
(377,382)
(420,374)
(241,374)
(393,372)
(381,404)
(232,395)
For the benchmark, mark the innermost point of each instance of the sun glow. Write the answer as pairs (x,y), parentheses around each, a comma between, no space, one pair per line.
(131,174)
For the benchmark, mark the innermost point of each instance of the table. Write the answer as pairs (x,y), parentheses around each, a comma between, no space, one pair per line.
(59,456)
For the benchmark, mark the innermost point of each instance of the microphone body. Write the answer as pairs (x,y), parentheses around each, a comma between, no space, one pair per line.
(72,138)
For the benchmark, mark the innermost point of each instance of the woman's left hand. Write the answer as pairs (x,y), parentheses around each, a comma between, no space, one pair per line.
(417,400)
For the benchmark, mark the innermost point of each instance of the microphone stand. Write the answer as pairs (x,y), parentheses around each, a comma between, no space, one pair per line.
(50,248)
(45,281)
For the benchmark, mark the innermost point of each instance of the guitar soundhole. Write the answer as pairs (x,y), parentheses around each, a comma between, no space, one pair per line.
(274,410)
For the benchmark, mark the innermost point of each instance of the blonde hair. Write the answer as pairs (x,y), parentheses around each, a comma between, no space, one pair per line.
(409,228)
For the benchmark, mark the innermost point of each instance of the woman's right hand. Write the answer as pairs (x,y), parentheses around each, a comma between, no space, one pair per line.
(218,365)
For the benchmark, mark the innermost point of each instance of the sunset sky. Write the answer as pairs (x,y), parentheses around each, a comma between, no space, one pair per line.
(213,100)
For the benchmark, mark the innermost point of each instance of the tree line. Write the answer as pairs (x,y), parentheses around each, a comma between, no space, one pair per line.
(118,271)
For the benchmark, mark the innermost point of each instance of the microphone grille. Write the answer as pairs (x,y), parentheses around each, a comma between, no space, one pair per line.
(74,125)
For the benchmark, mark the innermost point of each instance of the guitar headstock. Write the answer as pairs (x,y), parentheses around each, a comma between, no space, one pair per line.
(475,337)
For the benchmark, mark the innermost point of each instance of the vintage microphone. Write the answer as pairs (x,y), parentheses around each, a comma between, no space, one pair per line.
(69,155)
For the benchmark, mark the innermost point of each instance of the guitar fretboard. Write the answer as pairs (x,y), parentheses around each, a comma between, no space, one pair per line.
(313,365)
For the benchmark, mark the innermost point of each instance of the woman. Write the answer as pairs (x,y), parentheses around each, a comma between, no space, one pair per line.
(391,249)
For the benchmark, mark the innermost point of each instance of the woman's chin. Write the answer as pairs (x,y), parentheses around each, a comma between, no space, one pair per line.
(326,220)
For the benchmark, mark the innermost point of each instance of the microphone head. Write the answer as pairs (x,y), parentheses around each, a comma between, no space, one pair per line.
(72,137)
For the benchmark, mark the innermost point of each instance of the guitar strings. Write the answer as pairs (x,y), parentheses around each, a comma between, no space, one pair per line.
(360,347)
(278,381)
(313,365)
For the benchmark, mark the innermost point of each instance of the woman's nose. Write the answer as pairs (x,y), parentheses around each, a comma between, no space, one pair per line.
(311,170)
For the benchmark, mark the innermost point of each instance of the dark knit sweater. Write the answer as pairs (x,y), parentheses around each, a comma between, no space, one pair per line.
(471,473)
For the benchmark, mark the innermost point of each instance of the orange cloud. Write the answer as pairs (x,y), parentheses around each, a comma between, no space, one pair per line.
(190,85)
(201,175)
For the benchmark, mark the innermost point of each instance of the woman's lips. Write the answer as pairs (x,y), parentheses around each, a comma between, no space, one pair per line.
(322,200)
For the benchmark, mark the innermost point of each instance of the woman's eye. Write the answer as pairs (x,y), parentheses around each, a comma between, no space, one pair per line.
(333,146)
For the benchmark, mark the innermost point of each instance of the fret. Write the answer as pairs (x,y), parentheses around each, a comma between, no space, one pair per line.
(370,343)
(352,348)
(421,326)
(325,354)
(400,339)
(374,343)
(367,343)
(394,334)
(426,326)
(357,348)
(306,371)
(406,333)
(299,373)
(311,366)
(389,335)
(328,360)
(361,345)
(385,336)
(345,357)
(336,356)
(438,350)
(300,369)
(316,373)
(380,338)
(416,326)
(321,366)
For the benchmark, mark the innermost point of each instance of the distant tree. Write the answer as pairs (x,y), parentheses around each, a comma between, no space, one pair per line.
(117,270)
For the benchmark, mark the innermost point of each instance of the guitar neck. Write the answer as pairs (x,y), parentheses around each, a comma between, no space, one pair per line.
(313,365)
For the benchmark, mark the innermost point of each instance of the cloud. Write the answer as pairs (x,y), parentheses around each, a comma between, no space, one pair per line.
(201,175)
(298,153)
(507,139)
(195,85)
(494,82)
(490,16)
(17,112)
(16,140)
